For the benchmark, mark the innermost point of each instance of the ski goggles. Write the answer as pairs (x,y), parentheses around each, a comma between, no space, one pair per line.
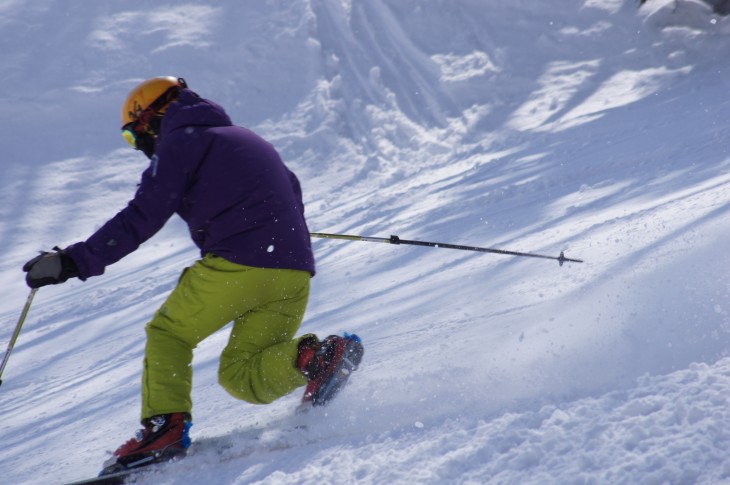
(134,130)
(128,132)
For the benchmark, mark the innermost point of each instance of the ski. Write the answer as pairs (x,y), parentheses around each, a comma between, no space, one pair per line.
(290,432)
(118,478)
(116,473)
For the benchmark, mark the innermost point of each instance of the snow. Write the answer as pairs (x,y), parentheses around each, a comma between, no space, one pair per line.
(590,127)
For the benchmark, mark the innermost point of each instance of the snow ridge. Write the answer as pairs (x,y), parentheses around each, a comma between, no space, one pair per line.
(590,127)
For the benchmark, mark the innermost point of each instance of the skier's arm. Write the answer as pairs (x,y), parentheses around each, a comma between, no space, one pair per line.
(157,198)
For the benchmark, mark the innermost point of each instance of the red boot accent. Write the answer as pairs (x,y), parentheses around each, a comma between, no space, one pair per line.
(161,433)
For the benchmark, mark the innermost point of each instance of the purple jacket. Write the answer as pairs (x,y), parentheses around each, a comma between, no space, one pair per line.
(238,198)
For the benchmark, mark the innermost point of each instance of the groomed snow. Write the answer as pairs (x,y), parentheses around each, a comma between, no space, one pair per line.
(585,126)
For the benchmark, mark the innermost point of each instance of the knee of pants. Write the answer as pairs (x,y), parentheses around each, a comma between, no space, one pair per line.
(161,341)
(242,383)
(261,377)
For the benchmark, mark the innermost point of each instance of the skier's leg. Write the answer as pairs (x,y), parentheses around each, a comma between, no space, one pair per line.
(258,365)
(209,295)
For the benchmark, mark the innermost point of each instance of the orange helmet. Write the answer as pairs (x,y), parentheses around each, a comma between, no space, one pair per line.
(150,92)
(143,109)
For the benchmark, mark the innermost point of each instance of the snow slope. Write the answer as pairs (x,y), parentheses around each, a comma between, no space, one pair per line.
(579,125)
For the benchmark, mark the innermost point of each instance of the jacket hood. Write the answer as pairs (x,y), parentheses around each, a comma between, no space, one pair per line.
(192,110)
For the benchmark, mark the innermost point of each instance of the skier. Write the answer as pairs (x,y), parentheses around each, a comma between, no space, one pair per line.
(244,209)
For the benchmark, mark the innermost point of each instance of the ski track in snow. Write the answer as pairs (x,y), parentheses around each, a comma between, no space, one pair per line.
(586,126)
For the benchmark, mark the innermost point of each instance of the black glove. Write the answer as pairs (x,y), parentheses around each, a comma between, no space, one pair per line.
(50,269)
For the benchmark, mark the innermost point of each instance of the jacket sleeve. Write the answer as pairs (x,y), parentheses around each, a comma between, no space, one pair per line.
(156,200)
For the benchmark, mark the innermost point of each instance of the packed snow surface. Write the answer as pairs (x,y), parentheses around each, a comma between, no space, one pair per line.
(591,127)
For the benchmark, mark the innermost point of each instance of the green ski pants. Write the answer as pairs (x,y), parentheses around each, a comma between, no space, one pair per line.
(257,365)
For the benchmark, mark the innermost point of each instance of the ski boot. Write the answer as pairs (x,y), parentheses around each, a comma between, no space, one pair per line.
(163,438)
(327,365)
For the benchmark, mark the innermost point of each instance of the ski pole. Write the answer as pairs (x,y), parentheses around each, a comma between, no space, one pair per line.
(17,330)
(396,240)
